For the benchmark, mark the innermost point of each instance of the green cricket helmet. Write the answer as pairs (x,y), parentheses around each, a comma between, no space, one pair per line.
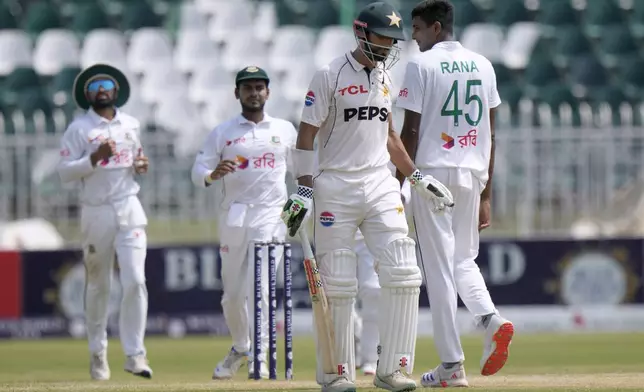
(382,19)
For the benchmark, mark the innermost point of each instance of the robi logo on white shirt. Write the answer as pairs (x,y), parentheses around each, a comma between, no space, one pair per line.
(264,162)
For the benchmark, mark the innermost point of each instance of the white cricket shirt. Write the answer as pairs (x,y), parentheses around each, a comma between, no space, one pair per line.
(263,155)
(453,89)
(110,180)
(351,108)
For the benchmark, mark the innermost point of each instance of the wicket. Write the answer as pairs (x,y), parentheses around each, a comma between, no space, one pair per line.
(272,310)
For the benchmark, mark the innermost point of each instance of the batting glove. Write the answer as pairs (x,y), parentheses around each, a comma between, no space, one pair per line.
(431,189)
(296,209)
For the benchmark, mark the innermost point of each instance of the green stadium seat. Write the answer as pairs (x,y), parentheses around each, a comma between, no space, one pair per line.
(637,19)
(599,14)
(587,71)
(616,44)
(88,17)
(631,75)
(508,12)
(139,14)
(19,80)
(557,13)
(41,16)
(6,122)
(7,19)
(570,41)
(37,111)
(540,72)
(466,14)
(61,86)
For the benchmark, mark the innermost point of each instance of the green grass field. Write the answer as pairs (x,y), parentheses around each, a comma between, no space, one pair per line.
(538,362)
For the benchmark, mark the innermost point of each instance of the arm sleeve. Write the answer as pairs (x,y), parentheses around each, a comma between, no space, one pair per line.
(74,164)
(289,149)
(495,99)
(412,92)
(318,99)
(207,159)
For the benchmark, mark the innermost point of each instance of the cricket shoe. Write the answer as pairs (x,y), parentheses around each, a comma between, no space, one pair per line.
(445,378)
(227,368)
(369,369)
(496,346)
(340,384)
(263,370)
(138,365)
(396,381)
(98,367)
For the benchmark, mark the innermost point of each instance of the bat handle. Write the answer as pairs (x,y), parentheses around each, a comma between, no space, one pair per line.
(306,245)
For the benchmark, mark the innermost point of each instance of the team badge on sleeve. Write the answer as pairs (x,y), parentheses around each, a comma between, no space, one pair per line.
(310,98)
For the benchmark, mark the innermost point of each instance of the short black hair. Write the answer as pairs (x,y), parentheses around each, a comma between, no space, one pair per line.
(431,11)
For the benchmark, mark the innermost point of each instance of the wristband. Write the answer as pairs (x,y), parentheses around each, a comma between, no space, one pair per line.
(208,178)
(305,191)
(415,177)
(304,162)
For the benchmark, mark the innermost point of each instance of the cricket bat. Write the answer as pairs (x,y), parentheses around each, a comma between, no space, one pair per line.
(321,313)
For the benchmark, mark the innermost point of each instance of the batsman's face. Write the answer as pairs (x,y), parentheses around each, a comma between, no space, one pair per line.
(426,36)
(380,46)
(252,94)
(101,93)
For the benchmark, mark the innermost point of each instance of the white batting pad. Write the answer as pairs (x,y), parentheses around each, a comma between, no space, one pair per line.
(400,279)
(338,270)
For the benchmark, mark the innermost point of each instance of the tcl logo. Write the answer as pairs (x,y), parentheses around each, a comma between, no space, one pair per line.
(366,113)
(353,90)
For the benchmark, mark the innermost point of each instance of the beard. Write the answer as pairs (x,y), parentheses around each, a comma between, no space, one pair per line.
(103,103)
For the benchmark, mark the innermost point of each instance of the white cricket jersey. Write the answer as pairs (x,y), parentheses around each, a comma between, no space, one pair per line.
(110,180)
(453,89)
(263,155)
(351,108)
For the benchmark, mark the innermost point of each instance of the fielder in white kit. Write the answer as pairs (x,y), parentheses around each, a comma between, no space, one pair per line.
(250,155)
(102,151)
(449,94)
(349,103)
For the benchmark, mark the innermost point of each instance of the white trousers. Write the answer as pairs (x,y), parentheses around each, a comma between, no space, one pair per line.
(261,224)
(369,295)
(449,245)
(110,230)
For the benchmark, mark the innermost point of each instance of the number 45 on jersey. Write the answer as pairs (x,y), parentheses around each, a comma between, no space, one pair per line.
(456,110)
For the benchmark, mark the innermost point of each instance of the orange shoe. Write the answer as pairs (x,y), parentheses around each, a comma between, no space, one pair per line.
(498,336)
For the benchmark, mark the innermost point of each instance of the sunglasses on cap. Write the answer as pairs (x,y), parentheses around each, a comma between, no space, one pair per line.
(95,85)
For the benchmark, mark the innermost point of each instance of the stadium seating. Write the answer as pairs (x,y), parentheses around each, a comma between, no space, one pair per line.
(192,49)
(573,64)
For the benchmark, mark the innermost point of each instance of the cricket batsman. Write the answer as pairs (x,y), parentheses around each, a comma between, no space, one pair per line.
(348,107)
(250,155)
(449,95)
(101,150)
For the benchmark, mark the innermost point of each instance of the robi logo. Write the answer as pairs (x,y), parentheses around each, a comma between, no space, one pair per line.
(403,93)
(353,90)
(242,162)
(366,113)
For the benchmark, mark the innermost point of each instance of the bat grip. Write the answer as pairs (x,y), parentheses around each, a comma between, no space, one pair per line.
(306,245)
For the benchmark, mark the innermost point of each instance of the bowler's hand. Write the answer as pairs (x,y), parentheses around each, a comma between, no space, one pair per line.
(224,167)
(485,214)
(141,163)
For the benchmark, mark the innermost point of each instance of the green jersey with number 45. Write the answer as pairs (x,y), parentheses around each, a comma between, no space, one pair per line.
(453,89)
